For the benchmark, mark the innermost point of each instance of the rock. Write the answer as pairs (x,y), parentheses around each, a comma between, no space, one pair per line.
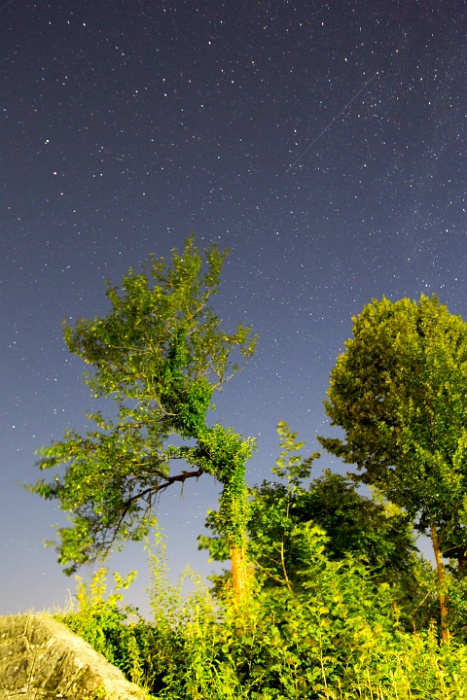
(41,659)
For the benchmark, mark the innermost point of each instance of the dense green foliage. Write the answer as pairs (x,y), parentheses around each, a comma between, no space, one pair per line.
(376,533)
(399,391)
(337,637)
(336,602)
(328,617)
(159,354)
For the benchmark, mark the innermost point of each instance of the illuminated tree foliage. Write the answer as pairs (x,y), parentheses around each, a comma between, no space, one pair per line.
(159,354)
(399,391)
(284,511)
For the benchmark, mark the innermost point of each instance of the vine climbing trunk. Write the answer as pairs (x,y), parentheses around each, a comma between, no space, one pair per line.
(234,508)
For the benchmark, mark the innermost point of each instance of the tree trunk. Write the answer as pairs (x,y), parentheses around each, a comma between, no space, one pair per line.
(443,606)
(239,573)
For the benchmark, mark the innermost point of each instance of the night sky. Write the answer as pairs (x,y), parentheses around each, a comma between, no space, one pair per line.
(321,141)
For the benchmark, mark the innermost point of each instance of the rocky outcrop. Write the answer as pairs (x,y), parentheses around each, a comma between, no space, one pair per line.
(41,659)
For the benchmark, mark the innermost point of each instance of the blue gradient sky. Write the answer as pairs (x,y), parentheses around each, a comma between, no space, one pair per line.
(322,142)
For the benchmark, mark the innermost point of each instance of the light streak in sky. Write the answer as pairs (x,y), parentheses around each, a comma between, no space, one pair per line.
(328,126)
(3,7)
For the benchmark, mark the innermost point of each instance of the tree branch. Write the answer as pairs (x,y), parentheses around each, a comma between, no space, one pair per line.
(169,480)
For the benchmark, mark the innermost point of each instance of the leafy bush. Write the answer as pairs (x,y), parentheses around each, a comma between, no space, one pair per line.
(336,637)
(111,628)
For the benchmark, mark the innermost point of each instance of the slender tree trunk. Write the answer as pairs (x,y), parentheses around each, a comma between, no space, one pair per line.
(443,606)
(236,509)
(240,573)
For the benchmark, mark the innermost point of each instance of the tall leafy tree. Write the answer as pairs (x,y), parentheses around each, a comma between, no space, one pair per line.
(399,391)
(159,355)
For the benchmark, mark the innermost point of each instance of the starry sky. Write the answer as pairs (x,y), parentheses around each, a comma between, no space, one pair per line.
(321,141)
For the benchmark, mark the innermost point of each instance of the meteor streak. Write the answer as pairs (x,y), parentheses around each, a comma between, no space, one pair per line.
(328,126)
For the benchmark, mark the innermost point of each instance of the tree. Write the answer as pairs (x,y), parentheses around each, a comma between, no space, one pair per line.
(399,391)
(159,354)
(282,514)
(354,524)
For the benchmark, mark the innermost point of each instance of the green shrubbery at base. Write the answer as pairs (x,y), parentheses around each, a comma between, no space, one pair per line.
(337,637)
(345,613)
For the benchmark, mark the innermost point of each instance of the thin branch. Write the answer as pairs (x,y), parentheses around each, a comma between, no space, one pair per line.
(284,570)
(169,480)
